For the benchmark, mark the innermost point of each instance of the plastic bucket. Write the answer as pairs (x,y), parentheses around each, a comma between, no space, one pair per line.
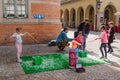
(37,60)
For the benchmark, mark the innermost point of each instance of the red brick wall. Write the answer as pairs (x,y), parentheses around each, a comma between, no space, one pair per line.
(41,32)
(58,1)
(48,10)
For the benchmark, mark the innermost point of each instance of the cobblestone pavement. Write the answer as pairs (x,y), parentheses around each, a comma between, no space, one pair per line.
(11,70)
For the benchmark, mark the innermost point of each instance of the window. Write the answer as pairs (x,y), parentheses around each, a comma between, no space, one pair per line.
(15,9)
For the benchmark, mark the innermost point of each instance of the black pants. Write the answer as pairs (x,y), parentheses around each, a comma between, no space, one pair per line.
(103,46)
(110,49)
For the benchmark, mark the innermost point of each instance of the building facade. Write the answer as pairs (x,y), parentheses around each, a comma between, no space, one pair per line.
(73,12)
(41,18)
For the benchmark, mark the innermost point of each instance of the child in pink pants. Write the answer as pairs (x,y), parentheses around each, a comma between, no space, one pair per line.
(18,43)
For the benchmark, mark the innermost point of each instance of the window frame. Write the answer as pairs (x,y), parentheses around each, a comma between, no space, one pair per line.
(16,15)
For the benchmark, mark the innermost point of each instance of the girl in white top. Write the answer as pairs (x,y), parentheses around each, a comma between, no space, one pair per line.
(18,43)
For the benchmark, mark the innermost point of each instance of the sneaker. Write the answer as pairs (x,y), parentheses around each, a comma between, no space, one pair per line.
(19,60)
(101,57)
(107,60)
(111,51)
(108,51)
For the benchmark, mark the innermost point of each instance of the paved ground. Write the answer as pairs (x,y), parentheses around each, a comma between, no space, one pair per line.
(10,70)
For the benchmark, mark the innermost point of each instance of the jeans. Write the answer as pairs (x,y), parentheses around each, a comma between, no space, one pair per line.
(103,45)
(76,54)
(84,42)
(110,49)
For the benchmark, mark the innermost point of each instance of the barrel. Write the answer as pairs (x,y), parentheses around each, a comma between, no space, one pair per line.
(72,58)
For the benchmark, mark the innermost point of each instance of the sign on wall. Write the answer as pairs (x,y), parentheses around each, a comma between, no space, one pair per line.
(101,19)
(38,16)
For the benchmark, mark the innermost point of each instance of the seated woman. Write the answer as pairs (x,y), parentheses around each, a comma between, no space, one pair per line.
(62,40)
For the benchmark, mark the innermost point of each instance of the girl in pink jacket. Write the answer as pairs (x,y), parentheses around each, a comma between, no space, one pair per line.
(104,41)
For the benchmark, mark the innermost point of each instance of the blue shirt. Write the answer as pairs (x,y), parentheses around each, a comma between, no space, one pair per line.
(63,36)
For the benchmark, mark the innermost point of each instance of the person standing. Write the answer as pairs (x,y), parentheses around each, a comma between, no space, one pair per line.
(18,43)
(104,40)
(111,36)
(85,28)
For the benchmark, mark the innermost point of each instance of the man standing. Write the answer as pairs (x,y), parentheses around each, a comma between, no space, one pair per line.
(85,28)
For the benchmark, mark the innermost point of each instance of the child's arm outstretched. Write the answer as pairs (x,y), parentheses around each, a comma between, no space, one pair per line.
(23,34)
(97,38)
(13,36)
(100,37)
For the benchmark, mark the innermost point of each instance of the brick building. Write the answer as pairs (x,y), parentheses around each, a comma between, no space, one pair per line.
(27,15)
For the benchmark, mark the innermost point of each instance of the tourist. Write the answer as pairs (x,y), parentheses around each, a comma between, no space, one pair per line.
(18,43)
(104,40)
(62,40)
(111,37)
(85,28)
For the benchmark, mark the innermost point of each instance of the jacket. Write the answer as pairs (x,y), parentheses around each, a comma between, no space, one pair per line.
(84,28)
(111,35)
(63,36)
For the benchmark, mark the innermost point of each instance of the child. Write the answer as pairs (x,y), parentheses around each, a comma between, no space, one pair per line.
(76,43)
(18,36)
(104,41)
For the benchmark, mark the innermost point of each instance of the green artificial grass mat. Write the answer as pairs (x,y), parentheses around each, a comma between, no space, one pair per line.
(55,61)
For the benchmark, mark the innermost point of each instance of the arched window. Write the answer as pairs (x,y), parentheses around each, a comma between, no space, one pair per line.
(15,9)
(109,12)
(66,17)
(91,16)
(81,15)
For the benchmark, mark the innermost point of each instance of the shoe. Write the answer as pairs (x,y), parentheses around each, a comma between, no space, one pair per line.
(101,57)
(111,51)
(108,51)
(19,61)
(106,60)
